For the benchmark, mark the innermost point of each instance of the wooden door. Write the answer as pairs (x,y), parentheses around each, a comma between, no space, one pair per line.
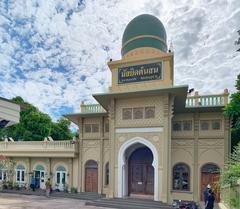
(211,179)
(149,179)
(141,179)
(91,177)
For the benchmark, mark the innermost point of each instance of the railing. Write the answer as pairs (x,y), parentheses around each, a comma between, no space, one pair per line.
(207,100)
(39,147)
(230,196)
(92,108)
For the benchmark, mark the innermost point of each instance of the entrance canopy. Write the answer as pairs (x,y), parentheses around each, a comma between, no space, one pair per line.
(9,113)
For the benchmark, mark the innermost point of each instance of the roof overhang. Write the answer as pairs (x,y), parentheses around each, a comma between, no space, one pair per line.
(76,117)
(179,92)
(9,112)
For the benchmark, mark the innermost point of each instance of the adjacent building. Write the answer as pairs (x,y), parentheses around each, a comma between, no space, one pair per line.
(146,137)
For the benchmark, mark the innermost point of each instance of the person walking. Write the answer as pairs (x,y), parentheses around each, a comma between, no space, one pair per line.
(48,187)
(206,193)
(211,199)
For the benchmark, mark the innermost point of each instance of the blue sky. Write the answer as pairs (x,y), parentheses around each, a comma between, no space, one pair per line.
(53,53)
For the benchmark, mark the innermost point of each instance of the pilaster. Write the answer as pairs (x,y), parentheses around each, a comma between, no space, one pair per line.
(100,186)
(111,113)
(70,174)
(227,138)
(195,174)
(80,148)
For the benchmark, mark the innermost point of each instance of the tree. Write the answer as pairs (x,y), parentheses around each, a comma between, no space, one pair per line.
(238,41)
(8,165)
(35,125)
(230,177)
(233,110)
(61,130)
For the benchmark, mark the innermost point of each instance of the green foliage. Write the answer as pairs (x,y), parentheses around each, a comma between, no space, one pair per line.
(231,174)
(35,125)
(230,177)
(233,110)
(8,165)
(61,130)
(237,42)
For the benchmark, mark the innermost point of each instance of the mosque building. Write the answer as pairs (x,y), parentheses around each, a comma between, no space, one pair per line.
(146,137)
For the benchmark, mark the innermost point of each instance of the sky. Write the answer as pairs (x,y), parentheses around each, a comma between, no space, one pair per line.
(53,53)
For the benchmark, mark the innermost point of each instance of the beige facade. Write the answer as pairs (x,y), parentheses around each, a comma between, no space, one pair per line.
(183,133)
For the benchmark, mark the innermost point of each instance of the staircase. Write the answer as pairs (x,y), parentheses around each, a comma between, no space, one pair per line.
(128,203)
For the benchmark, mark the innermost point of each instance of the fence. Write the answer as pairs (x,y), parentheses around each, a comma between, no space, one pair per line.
(230,196)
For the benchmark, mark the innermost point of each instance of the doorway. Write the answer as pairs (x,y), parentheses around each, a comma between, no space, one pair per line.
(210,174)
(61,178)
(40,177)
(91,176)
(141,172)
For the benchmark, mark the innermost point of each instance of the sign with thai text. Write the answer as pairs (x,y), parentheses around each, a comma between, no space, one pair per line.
(138,73)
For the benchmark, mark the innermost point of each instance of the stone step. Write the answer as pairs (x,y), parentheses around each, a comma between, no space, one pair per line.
(81,195)
(128,203)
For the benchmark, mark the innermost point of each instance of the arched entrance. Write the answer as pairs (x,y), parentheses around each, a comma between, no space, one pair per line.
(209,175)
(141,172)
(91,176)
(136,174)
(40,177)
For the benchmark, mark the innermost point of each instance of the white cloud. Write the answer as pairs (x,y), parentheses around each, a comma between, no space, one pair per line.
(54,53)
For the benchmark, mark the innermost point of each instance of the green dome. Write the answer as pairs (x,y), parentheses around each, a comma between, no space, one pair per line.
(144,31)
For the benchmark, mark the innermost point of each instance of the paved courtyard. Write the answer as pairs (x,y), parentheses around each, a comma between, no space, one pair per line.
(16,201)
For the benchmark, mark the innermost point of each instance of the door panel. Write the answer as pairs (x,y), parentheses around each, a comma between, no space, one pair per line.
(91,180)
(141,179)
(137,184)
(150,180)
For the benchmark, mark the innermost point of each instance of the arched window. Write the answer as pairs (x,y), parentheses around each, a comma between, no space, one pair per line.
(181,177)
(40,168)
(149,112)
(107,174)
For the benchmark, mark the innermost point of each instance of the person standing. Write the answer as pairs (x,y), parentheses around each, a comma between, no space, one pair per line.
(206,193)
(48,187)
(211,199)
(33,184)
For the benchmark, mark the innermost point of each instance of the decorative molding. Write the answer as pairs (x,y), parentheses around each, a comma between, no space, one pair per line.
(139,130)
(122,190)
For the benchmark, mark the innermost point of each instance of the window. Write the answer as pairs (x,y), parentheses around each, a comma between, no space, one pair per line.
(106,127)
(138,113)
(177,125)
(107,174)
(216,124)
(187,125)
(20,174)
(3,175)
(181,177)
(127,113)
(88,128)
(149,112)
(95,128)
(204,125)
